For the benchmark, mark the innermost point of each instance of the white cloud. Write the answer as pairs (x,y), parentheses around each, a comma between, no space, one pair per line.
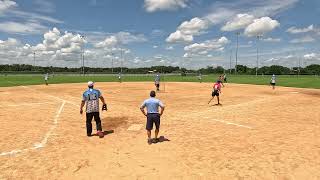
(305,39)
(188,29)
(6,5)
(261,26)
(120,38)
(295,30)
(162,5)
(155,46)
(126,37)
(169,48)
(288,57)
(178,36)
(32,17)
(206,46)
(60,44)
(44,6)
(109,42)
(22,28)
(271,39)
(239,22)
(311,56)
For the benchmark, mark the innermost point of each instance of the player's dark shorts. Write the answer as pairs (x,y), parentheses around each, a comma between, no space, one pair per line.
(273,84)
(215,93)
(225,79)
(157,85)
(153,118)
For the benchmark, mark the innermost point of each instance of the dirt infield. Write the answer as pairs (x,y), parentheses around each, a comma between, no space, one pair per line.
(255,134)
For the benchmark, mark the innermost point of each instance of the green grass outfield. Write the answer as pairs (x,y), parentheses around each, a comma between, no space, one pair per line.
(288,81)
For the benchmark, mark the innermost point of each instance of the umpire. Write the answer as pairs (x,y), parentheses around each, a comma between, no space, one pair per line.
(153,117)
(91,99)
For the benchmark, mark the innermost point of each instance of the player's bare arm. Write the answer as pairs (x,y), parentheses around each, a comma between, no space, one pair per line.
(143,112)
(161,112)
(81,106)
(102,100)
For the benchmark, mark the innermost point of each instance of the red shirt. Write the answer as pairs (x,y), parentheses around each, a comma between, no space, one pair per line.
(217,86)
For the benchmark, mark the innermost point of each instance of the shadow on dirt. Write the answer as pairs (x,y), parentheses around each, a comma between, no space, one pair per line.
(159,140)
(114,122)
(105,133)
(216,105)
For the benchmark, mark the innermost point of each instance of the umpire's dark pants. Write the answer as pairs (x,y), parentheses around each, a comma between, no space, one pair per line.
(89,119)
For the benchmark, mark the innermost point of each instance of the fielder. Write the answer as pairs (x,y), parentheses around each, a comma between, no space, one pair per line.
(157,82)
(120,77)
(216,91)
(225,78)
(273,81)
(153,116)
(200,77)
(220,79)
(46,77)
(91,99)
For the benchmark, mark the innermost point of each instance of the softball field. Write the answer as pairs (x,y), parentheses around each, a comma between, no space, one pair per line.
(257,133)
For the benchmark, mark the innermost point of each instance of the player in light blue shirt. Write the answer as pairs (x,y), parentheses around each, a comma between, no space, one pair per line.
(153,116)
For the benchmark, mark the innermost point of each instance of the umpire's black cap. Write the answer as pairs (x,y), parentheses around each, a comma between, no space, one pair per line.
(152,93)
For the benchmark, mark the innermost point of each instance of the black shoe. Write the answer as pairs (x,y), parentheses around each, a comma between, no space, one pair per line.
(89,135)
(149,141)
(155,140)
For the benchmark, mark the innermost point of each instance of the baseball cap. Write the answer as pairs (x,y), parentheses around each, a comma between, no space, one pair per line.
(90,83)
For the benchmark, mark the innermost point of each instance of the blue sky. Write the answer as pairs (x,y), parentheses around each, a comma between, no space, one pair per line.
(188,33)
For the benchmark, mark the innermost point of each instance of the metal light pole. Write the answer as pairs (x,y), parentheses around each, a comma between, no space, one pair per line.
(257,66)
(230,61)
(238,33)
(299,67)
(82,55)
(112,62)
(121,60)
(34,59)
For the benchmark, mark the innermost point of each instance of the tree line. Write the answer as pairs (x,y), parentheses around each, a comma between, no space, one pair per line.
(313,69)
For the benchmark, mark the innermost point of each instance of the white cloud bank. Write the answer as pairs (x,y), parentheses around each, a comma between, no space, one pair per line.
(261,26)
(206,46)
(164,5)
(295,30)
(188,29)
(239,22)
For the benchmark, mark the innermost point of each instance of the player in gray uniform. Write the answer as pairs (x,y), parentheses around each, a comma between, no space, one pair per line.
(157,82)
(273,81)
(200,77)
(46,77)
(120,77)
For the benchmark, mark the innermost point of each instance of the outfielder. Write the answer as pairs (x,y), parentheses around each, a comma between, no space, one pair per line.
(120,77)
(273,81)
(91,99)
(200,77)
(157,82)
(46,77)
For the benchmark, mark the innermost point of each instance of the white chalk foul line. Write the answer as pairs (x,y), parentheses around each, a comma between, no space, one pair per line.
(44,140)
(230,123)
(25,104)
